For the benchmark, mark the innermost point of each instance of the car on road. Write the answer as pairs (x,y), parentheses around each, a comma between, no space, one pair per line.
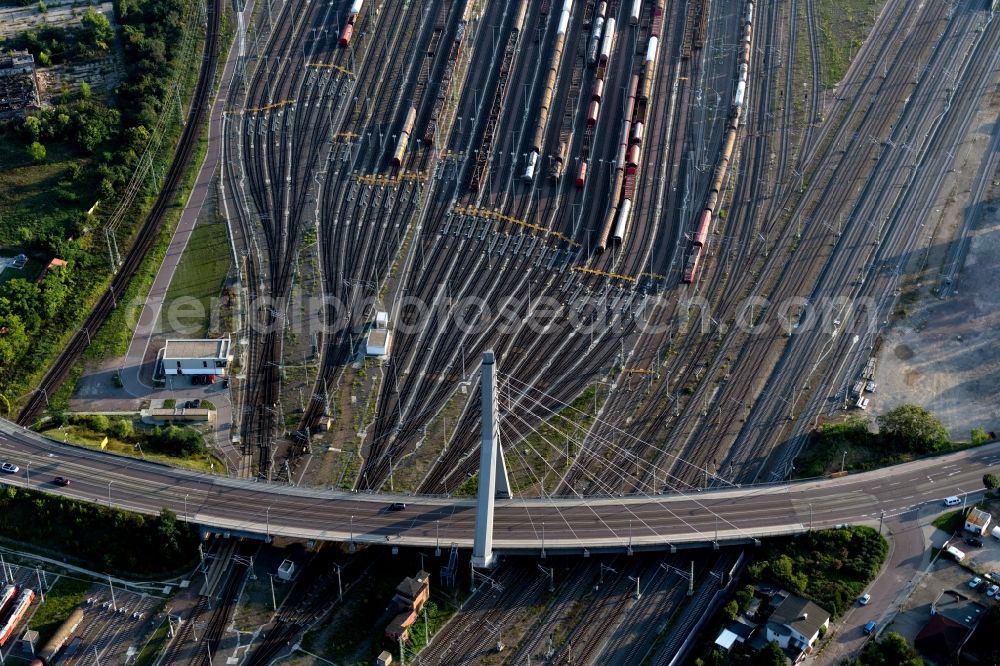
(869,627)
(952,501)
(397,506)
(10,468)
(61,481)
(974,542)
(975,582)
(864,599)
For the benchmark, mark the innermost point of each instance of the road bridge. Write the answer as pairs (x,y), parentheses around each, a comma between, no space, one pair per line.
(521,525)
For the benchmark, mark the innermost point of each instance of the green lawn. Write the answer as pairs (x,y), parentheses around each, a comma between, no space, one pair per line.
(33,203)
(60,601)
(78,434)
(843,27)
(950,522)
(201,273)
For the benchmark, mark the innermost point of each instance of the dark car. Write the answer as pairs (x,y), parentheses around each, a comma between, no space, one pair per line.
(869,627)
(397,506)
(974,542)
(61,481)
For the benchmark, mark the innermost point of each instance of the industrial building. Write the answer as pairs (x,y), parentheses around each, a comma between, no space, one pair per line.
(18,85)
(196,357)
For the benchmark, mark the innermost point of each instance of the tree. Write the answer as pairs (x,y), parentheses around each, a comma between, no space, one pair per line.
(991,481)
(978,436)
(770,655)
(913,428)
(33,127)
(85,91)
(121,429)
(13,340)
(166,531)
(744,596)
(731,610)
(99,422)
(37,151)
(97,30)
(891,650)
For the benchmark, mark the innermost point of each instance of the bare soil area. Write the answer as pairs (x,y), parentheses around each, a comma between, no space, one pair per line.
(944,353)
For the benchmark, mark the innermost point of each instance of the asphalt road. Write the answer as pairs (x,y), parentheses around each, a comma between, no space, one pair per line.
(732,515)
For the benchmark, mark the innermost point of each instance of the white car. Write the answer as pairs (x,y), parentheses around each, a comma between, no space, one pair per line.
(993,590)
(864,599)
(10,468)
(975,582)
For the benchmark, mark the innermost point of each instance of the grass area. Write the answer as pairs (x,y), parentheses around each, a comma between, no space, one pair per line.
(60,601)
(950,521)
(437,612)
(201,275)
(97,537)
(553,445)
(39,199)
(843,26)
(150,652)
(84,436)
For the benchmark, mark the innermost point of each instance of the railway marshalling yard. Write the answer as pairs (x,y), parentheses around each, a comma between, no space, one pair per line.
(683,247)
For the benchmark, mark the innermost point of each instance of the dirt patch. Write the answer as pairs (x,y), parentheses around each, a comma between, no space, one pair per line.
(944,352)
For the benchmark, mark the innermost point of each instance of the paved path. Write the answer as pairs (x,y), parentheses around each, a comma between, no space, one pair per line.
(136,369)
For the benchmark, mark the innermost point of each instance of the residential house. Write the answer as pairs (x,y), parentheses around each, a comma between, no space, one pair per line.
(795,624)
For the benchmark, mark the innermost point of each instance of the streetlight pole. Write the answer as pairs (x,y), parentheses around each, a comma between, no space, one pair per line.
(109,491)
(843,460)
(810,516)
(267,523)
(186,518)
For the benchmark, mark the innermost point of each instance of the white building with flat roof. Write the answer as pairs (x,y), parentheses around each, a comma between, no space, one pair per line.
(196,357)
(379,340)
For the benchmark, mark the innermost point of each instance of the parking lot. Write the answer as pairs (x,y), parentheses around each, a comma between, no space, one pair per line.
(947,582)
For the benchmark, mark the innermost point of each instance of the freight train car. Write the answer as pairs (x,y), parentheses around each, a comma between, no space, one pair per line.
(404,137)
(697,251)
(352,17)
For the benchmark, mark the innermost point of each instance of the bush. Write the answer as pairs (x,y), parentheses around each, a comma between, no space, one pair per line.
(176,440)
(913,428)
(122,429)
(36,151)
(99,423)
(978,437)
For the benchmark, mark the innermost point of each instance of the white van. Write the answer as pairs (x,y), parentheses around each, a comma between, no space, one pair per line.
(952,501)
(996,532)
